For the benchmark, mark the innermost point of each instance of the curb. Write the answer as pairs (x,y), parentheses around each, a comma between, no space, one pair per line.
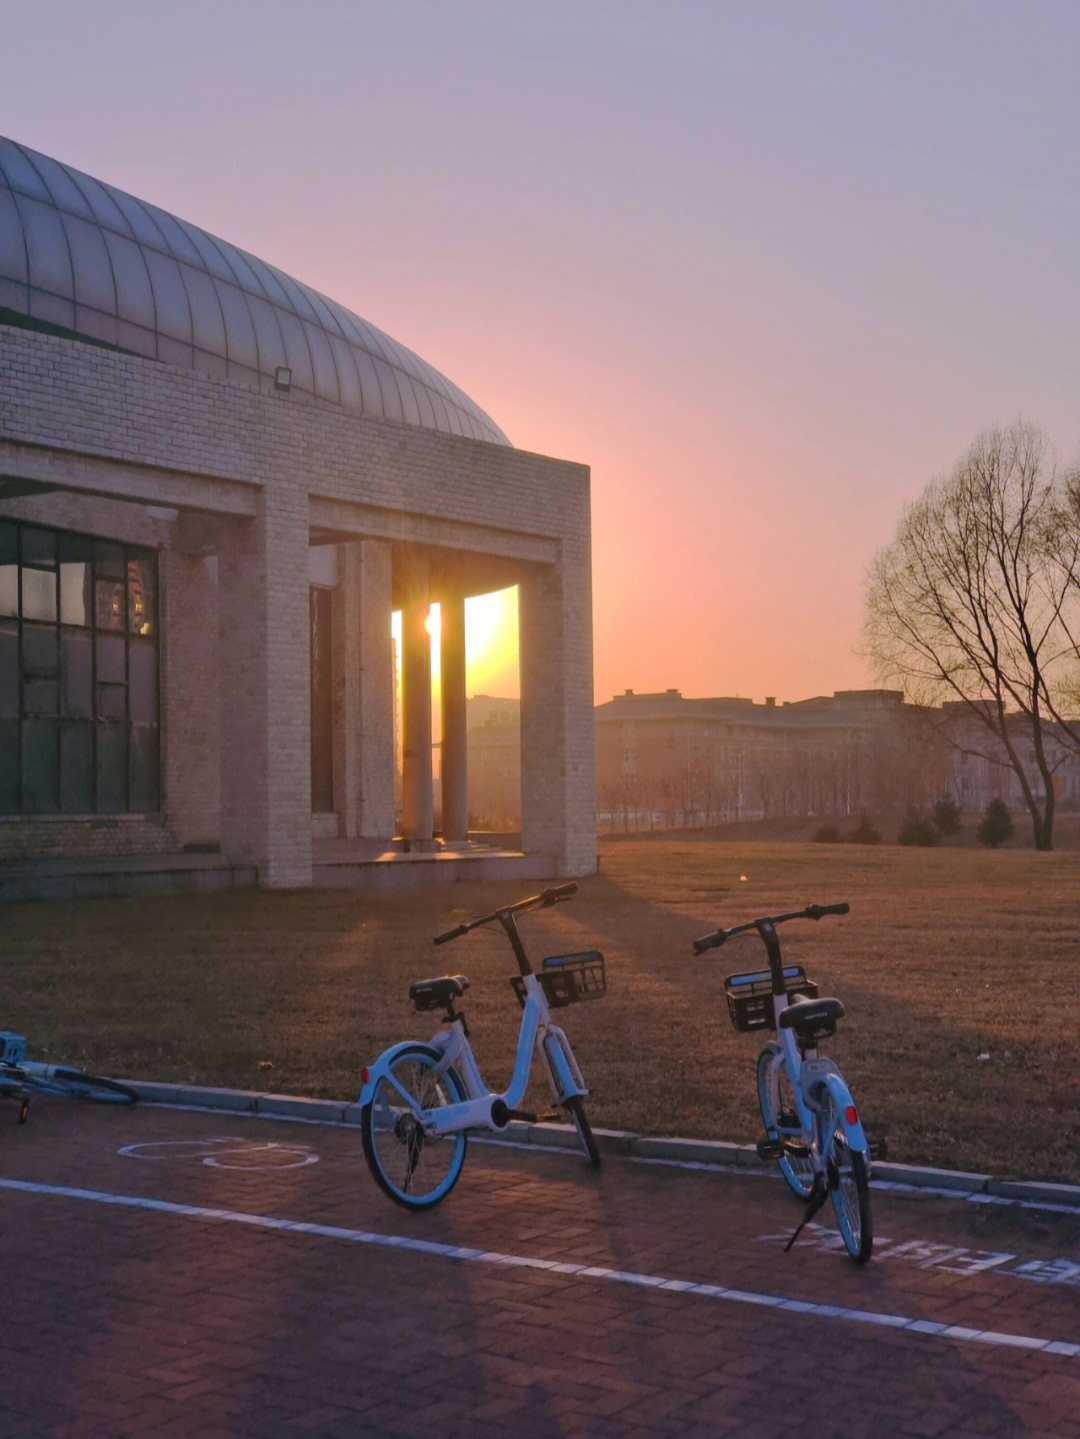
(704,1153)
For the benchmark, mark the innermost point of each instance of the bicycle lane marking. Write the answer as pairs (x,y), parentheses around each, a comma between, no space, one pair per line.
(874,1318)
(224,1153)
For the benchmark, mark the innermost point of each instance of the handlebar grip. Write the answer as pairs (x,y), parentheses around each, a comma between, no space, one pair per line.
(709,941)
(458,929)
(557,892)
(816,911)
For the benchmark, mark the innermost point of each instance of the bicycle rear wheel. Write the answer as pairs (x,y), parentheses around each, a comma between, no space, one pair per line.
(576,1110)
(76,1084)
(777,1100)
(410,1164)
(849,1187)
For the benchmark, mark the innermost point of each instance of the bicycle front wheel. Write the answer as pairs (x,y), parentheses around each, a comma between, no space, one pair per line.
(576,1110)
(410,1164)
(849,1186)
(777,1100)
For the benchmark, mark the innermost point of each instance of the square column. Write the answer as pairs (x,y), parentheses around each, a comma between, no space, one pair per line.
(265,698)
(418,805)
(455,739)
(558,784)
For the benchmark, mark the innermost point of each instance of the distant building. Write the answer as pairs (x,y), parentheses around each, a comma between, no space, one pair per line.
(676,762)
(666,761)
(494,763)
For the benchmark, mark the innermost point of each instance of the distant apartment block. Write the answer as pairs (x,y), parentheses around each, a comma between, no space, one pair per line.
(663,760)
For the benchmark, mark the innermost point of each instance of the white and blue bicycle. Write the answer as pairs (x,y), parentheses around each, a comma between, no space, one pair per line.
(419,1100)
(812,1127)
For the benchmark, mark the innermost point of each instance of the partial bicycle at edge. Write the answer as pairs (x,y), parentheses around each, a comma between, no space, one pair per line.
(419,1100)
(812,1126)
(20,1078)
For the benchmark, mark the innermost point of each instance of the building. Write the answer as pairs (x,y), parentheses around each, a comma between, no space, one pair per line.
(665,760)
(494,763)
(215,487)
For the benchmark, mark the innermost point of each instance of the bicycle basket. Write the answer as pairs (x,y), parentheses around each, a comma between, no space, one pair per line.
(12,1047)
(567,978)
(750,996)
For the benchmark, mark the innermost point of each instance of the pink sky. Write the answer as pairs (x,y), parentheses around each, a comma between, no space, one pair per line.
(765,268)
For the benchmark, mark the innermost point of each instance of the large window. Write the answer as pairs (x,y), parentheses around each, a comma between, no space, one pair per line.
(79,711)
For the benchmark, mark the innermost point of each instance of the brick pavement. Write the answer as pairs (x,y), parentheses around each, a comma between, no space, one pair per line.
(157,1281)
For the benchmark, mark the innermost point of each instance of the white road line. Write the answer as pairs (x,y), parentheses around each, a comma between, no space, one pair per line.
(931,1328)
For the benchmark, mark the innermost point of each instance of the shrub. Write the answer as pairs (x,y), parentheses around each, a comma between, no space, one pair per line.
(996,826)
(864,833)
(918,829)
(946,814)
(826,834)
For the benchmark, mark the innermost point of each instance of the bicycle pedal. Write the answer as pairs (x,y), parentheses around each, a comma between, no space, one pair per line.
(879,1148)
(769,1148)
(796,1148)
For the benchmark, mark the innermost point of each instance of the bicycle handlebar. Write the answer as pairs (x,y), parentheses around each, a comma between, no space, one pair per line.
(546,897)
(812,911)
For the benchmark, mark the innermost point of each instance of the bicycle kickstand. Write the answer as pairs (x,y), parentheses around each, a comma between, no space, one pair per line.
(819,1192)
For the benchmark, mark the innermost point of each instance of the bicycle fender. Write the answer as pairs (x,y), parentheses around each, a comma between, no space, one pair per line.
(381,1067)
(845,1106)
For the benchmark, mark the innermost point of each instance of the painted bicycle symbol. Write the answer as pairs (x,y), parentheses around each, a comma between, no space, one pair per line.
(225,1152)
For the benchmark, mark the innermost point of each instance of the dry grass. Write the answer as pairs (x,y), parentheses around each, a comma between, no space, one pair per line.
(947,956)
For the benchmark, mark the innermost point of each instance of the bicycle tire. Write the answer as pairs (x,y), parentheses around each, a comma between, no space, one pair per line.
(411,1168)
(77,1084)
(849,1187)
(775,1094)
(576,1110)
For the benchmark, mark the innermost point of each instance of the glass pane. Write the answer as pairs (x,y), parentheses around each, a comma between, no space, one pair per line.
(39,652)
(9,670)
(111,668)
(90,263)
(9,543)
(9,766)
(46,248)
(144,695)
(112,702)
(40,697)
(41,769)
(77,768)
(208,327)
(74,592)
(9,589)
(39,594)
(134,298)
(76,673)
(108,604)
(170,297)
(141,597)
(145,769)
(111,767)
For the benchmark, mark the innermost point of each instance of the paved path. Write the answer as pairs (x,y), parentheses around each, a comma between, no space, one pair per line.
(169,1273)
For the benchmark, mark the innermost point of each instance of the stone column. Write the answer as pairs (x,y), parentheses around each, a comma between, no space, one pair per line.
(376,692)
(558,784)
(265,691)
(455,777)
(418,821)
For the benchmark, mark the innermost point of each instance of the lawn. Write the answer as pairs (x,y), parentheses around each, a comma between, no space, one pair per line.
(959,970)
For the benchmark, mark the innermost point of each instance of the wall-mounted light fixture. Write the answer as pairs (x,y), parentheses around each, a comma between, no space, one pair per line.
(282,378)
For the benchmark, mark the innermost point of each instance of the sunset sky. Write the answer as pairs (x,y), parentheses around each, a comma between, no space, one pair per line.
(766,268)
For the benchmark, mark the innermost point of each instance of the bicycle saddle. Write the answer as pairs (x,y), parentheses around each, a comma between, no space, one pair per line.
(437,993)
(810,1017)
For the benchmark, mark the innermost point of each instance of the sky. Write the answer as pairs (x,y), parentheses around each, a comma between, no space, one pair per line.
(766,268)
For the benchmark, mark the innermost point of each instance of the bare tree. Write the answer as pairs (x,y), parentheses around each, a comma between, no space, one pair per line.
(975,601)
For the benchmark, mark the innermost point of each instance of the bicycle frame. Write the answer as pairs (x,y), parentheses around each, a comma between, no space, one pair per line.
(484,1109)
(810,1072)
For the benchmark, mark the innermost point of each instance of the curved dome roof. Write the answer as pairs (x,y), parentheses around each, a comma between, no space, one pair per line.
(92,261)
